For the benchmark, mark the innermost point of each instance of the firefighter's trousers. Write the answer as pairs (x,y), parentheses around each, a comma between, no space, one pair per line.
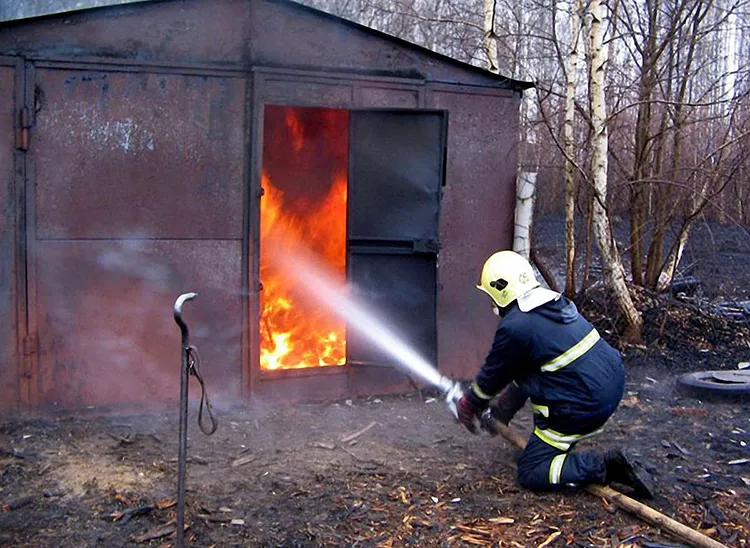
(544,467)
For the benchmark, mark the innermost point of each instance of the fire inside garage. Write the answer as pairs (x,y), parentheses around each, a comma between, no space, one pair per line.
(310,145)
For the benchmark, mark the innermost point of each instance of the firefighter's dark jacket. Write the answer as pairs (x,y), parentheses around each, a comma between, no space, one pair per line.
(528,349)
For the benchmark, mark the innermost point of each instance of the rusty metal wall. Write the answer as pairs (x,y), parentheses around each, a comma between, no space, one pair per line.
(167,149)
(476,219)
(106,335)
(139,197)
(146,170)
(9,362)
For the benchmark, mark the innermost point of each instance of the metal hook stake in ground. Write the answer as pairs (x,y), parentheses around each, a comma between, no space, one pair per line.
(181,461)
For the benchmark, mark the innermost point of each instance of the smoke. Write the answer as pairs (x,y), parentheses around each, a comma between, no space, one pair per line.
(109,338)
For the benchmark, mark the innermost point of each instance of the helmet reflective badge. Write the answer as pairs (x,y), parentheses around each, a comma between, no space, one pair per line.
(507,276)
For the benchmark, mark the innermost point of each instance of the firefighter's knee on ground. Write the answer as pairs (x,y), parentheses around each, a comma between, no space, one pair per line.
(530,480)
(525,480)
(529,475)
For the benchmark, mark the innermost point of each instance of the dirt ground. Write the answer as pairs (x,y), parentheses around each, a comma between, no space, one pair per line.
(397,470)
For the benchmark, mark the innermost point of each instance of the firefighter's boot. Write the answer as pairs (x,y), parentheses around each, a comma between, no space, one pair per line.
(620,469)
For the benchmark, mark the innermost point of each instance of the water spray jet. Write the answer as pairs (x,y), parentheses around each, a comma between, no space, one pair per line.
(334,296)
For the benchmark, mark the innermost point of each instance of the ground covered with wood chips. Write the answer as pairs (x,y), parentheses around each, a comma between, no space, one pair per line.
(391,471)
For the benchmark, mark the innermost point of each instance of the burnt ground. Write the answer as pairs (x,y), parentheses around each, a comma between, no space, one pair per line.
(397,471)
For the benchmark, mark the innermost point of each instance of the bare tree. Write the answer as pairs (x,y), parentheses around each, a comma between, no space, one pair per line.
(571,174)
(599,168)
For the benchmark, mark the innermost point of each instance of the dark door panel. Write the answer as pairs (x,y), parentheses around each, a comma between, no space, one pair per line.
(399,290)
(396,173)
(396,167)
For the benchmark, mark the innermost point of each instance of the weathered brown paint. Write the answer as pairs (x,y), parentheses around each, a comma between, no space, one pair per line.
(130,193)
(477,220)
(9,370)
(166,148)
(193,31)
(106,332)
(145,156)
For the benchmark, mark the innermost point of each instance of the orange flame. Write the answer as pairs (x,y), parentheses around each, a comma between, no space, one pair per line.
(295,332)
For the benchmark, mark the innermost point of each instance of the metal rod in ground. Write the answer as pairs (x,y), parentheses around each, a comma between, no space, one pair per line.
(632,506)
(181,459)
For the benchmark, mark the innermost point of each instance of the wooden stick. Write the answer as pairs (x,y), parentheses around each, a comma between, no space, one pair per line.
(632,506)
(351,437)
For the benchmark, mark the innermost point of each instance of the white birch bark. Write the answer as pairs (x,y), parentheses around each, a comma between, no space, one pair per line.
(675,256)
(611,262)
(525,192)
(569,146)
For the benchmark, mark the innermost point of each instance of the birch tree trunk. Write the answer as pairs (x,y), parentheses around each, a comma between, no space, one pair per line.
(525,191)
(611,262)
(489,43)
(675,253)
(569,146)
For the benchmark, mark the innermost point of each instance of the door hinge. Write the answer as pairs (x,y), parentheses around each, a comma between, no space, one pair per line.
(24,120)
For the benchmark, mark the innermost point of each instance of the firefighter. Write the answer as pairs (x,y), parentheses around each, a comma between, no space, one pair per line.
(546,351)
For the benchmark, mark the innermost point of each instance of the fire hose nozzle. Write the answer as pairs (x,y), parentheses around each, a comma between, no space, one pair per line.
(453,393)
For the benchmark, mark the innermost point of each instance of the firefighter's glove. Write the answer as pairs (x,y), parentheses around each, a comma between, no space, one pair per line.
(507,404)
(468,414)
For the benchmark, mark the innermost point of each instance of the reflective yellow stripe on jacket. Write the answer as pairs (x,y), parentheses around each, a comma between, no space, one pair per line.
(543,410)
(480,393)
(573,353)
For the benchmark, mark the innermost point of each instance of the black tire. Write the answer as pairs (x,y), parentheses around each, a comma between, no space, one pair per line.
(716,385)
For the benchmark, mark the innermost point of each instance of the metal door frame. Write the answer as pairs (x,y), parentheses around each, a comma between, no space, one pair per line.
(253,378)
(259,382)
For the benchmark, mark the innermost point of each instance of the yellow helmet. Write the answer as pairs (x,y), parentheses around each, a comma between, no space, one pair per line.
(506,275)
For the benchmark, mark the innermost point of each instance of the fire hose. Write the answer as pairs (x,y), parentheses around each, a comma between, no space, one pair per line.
(190,366)
(453,393)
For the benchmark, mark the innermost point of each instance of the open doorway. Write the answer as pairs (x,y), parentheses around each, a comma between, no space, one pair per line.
(359,190)
(304,206)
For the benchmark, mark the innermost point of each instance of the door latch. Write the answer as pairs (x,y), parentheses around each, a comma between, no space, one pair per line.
(425,246)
